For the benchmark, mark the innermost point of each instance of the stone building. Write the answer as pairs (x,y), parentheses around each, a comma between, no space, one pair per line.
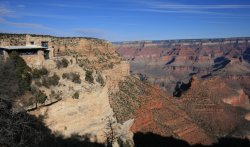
(34,50)
(24,51)
(37,48)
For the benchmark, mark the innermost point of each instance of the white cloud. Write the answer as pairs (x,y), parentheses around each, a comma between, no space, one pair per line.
(49,16)
(199,7)
(177,11)
(167,7)
(5,12)
(69,6)
(25,25)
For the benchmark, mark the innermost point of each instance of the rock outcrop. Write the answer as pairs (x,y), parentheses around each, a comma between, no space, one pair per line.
(75,103)
(219,89)
(166,62)
(199,116)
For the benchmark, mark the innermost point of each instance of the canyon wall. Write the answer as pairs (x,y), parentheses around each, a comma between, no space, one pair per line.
(166,62)
(72,107)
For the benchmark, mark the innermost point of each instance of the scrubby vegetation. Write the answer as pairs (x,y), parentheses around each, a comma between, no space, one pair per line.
(89,76)
(62,63)
(83,62)
(110,65)
(56,95)
(40,97)
(9,87)
(125,101)
(22,72)
(74,77)
(76,95)
(37,73)
(50,81)
(100,79)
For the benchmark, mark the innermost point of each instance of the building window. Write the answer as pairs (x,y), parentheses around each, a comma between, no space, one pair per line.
(32,43)
(27,52)
(44,44)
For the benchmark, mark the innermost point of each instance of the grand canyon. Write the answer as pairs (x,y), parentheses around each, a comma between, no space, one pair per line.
(127,73)
(196,91)
(207,79)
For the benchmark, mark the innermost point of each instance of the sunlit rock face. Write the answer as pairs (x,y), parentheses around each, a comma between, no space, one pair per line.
(167,62)
(207,79)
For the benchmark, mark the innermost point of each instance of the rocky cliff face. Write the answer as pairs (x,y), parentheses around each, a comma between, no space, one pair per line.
(199,116)
(166,62)
(90,112)
(206,78)
(74,92)
(84,105)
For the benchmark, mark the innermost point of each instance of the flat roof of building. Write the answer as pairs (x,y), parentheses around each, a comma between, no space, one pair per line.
(35,47)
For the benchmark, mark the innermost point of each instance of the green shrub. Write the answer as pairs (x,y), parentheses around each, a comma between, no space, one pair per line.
(65,62)
(76,95)
(100,79)
(37,73)
(83,62)
(109,65)
(9,88)
(65,75)
(56,95)
(89,76)
(50,81)
(74,77)
(62,63)
(22,72)
(54,80)
(40,97)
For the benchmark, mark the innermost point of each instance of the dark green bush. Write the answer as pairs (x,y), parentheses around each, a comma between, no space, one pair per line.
(40,97)
(9,87)
(74,77)
(62,63)
(89,76)
(22,72)
(54,80)
(56,95)
(65,75)
(76,95)
(50,81)
(37,73)
(100,79)
(65,62)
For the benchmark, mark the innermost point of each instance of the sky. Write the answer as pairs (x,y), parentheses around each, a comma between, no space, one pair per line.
(127,20)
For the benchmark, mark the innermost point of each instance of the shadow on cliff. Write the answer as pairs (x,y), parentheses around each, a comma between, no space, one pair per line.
(74,141)
(24,130)
(153,140)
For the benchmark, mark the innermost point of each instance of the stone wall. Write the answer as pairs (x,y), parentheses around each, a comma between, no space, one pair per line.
(34,61)
(12,39)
